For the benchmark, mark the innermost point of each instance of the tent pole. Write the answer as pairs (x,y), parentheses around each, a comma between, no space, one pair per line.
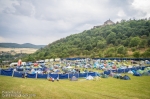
(13,74)
(87,74)
(36,75)
(48,75)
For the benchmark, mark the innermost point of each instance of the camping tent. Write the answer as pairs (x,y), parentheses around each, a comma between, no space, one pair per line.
(96,78)
(126,77)
(89,77)
(69,67)
(57,59)
(51,60)
(130,72)
(74,78)
(104,76)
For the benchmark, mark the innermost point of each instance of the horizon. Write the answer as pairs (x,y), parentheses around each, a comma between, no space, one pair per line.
(18,43)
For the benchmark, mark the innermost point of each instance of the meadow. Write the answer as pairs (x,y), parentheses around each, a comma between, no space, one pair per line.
(19,50)
(105,88)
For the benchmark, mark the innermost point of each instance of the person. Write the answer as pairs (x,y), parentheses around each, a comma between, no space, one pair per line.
(52,79)
(57,79)
(25,75)
(22,75)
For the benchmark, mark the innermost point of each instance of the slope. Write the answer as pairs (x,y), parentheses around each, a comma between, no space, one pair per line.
(129,38)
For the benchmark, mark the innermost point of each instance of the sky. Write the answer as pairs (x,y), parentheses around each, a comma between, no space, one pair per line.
(42,22)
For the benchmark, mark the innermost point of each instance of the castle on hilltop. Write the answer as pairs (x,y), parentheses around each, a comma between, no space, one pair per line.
(108,22)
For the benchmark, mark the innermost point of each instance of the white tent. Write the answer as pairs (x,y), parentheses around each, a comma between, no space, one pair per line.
(89,77)
(51,60)
(69,67)
(47,60)
(57,59)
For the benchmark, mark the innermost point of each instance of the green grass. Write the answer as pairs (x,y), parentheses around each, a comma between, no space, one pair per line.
(106,88)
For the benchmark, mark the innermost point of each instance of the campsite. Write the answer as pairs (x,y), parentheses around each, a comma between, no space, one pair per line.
(95,80)
(74,49)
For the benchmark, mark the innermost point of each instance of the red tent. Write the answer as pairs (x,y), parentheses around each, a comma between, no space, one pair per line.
(35,64)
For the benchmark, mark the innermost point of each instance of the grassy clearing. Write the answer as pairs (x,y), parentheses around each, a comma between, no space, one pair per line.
(106,88)
(19,50)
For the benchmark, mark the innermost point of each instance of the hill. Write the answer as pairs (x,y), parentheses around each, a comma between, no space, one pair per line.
(25,45)
(128,38)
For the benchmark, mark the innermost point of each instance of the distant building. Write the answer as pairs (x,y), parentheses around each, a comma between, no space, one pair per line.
(108,22)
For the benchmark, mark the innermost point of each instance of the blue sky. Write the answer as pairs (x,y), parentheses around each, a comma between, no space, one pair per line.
(45,21)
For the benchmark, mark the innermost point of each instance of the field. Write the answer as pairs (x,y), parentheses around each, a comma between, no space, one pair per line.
(19,50)
(105,88)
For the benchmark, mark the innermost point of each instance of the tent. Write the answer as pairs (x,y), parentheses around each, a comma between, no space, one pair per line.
(130,72)
(97,78)
(74,78)
(146,73)
(69,67)
(57,59)
(140,71)
(89,77)
(116,75)
(137,74)
(126,77)
(104,76)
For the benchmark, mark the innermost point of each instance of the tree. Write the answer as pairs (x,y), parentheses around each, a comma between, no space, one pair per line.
(110,52)
(100,54)
(146,54)
(142,43)
(134,42)
(148,42)
(89,47)
(111,38)
(136,54)
(101,44)
(121,50)
(93,55)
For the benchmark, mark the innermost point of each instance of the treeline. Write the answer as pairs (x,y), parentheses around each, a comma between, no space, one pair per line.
(128,38)
(25,45)
(5,56)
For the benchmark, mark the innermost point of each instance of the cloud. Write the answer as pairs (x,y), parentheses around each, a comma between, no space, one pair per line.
(43,22)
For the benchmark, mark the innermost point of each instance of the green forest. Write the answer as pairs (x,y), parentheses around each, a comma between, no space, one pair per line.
(127,38)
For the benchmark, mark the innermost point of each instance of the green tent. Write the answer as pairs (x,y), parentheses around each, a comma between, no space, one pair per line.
(104,76)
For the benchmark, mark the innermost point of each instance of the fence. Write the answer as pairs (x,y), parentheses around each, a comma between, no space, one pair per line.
(10,72)
(123,70)
(60,76)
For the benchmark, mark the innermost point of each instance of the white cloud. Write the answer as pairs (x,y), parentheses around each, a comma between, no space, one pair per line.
(42,22)
(121,14)
(2,39)
(142,5)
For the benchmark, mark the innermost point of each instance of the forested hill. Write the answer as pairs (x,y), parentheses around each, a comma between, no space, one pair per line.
(25,45)
(128,38)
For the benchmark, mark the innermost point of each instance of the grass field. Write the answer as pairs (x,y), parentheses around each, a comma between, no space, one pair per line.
(19,50)
(106,88)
